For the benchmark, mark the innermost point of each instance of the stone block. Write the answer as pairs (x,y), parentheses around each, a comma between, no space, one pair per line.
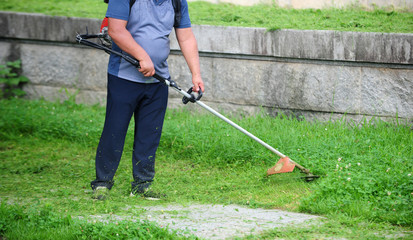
(65,66)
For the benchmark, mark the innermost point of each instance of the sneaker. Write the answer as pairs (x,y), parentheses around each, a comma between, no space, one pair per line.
(101,193)
(149,195)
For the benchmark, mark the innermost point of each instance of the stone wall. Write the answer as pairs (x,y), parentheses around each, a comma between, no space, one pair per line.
(316,74)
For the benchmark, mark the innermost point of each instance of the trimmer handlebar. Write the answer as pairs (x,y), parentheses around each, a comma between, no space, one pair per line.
(81,38)
(192,99)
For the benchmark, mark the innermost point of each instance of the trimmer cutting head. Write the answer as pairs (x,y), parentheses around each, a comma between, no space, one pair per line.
(310,177)
(285,165)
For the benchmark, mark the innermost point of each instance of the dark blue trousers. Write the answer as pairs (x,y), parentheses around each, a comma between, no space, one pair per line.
(147,103)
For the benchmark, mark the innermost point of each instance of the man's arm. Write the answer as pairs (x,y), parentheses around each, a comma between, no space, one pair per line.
(122,37)
(189,48)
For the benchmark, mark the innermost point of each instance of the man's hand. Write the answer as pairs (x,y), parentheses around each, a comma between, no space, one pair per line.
(198,84)
(147,68)
(122,37)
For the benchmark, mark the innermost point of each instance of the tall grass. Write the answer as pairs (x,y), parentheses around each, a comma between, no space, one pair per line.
(366,167)
(274,18)
(47,149)
(42,222)
(265,16)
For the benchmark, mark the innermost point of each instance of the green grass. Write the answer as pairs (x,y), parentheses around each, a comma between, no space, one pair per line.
(274,18)
(270,17)
(39,221)
(47,154)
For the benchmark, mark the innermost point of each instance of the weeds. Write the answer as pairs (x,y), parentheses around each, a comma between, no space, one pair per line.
(47,153)
(11,80)
(369,191)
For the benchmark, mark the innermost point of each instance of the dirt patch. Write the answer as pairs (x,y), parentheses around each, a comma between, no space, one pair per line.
(221,222)
(216,221)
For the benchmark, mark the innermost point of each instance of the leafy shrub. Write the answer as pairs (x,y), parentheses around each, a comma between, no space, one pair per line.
(11,80)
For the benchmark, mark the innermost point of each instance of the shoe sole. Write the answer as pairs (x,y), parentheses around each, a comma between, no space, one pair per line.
(147,198)
(152,198)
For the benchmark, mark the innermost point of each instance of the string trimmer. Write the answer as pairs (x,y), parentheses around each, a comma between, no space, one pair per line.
(284,165)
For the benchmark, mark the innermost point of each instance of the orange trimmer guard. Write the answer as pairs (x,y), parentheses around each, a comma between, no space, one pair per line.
(282,166)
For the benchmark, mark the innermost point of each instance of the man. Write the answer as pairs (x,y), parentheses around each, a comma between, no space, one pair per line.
(140,30)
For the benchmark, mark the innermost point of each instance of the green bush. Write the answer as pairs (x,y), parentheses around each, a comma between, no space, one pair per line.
(11,80)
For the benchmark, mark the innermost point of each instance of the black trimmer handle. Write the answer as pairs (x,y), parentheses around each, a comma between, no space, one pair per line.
(185,100)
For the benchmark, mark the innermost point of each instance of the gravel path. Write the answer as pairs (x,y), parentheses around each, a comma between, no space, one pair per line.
(214,221)
(222,222)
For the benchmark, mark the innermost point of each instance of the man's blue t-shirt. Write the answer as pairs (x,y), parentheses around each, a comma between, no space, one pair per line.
(150,22)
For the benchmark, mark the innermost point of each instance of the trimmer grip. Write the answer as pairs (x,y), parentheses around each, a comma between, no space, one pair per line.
(185,100)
